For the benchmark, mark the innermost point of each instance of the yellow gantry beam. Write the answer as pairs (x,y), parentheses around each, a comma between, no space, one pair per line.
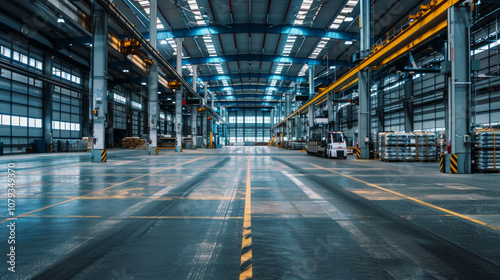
(430,23)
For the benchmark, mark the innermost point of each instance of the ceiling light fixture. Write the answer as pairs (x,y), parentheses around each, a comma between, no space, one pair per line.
(60,19)
(348,42)
(348,19)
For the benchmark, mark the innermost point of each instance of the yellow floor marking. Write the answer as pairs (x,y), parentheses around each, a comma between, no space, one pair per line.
(60,216)
(415,200)
(183,217)
(246,272)
(132,217)
(98,191)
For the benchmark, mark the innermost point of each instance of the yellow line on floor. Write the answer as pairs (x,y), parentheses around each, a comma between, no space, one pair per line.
(59,216)
(95,192)
(246,242)
(184,217)
(414,199)
(132,217)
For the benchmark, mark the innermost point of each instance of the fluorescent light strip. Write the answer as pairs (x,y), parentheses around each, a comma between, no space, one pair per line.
(290,41)
(303,70)
(321,45)
(349,7)
(304,9)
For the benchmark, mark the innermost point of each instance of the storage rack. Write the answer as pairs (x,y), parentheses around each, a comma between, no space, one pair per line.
(487,150)
(414,146)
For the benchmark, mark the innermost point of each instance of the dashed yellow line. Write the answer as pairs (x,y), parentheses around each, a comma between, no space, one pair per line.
(99,191)
(246,242)
(453,213)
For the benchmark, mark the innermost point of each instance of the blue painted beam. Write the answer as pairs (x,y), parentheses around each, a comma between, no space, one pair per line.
(236,97)
(244,87)
(257,28)
(251,76)
(236,103)
(259,57)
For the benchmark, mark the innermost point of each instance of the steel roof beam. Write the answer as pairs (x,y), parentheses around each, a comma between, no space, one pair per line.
(249,76)
(257,28)
(259,57)
(260,96)
(244,87)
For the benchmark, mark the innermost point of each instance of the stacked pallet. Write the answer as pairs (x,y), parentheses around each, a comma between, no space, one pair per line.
(132,142)
(487,150)
(415,146)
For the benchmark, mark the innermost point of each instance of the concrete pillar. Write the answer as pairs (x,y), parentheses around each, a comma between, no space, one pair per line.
(310,115)
(297,126)
(194,108)
(47,100)
(204,127)
(99,83)
(178,99)
(331,112)
(459,85)
(153,83)
(311,82)
(408,103)
(213,100)
(380,110)
(364,82)
(288,103)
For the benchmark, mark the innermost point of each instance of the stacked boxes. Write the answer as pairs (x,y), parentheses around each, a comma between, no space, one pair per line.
(415,146)
(487,150)
(132,142)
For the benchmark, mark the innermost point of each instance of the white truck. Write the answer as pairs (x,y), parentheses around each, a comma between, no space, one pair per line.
(333,146)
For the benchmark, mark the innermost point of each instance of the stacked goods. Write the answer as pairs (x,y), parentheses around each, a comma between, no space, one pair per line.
(88,140)
(132,142)
(487,150)
(298,145)
(418,146)
(63,145)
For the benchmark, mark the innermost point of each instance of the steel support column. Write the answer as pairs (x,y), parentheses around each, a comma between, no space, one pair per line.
(311,82)
(408,103)
(194,109)
(153,84)
(380,111)
(47,100)
(331,113)
(288,103)
(99,82)
(178,99)
(204,122)
(459,85)
(311,121)
(364,81)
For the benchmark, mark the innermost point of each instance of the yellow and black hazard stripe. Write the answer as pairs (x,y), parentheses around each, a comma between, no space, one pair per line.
(441,163)
(453,164)
(156,150)
(104,156)
(50,148)
(358,153)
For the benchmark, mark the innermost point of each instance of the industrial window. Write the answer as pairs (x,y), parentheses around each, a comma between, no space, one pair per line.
(21,109)
(66,113)
(120,117)
(5,51)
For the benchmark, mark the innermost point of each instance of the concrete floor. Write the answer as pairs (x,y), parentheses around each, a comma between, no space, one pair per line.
(182,216)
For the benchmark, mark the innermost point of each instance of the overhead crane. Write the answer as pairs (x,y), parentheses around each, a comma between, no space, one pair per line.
(430,21)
